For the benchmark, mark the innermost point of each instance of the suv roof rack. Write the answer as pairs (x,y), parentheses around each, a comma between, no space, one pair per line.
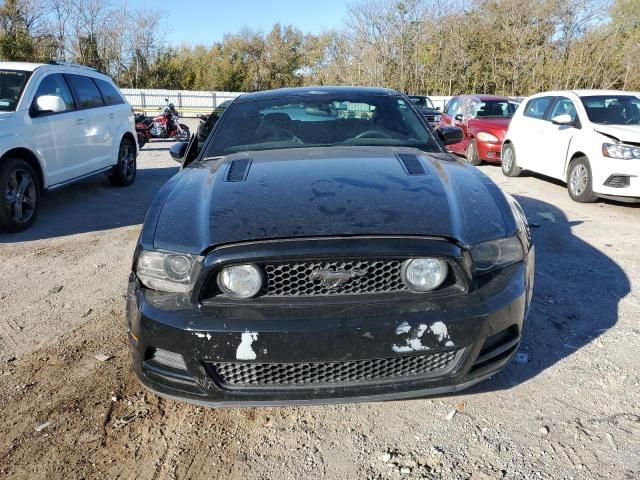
(69,64)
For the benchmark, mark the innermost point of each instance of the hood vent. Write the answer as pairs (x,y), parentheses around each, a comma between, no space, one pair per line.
(411,164)
(238,170)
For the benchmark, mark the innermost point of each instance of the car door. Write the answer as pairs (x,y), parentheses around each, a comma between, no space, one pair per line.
(446,120)
(529,138)
(59,137)
(557,138)
(98,139)
(116,113)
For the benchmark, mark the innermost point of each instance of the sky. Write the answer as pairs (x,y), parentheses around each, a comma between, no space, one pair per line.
(205,22)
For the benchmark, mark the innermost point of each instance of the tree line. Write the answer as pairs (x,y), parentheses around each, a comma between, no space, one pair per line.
(447,47)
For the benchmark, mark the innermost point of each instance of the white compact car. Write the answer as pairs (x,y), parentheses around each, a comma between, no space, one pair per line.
(59,123)
(589,139)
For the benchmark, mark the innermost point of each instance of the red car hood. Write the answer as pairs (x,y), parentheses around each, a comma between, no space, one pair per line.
(491,123)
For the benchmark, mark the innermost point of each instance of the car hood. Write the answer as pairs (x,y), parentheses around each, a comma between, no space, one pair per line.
(623,133)
(337,191)
(500,124)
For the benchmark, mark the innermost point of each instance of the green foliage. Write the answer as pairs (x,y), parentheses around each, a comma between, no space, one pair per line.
(514,47)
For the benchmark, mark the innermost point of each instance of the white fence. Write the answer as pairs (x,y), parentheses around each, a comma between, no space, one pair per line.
(188,103)
(194,103)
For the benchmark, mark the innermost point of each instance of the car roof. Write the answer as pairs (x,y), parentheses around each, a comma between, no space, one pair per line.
(583,93)
(304,91)
(25,66)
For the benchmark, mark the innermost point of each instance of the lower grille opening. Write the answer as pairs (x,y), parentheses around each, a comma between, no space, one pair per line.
(497,347)
(333,374)
(618,181)
(167,365)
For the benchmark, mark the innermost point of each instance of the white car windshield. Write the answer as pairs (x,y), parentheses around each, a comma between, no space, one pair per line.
(12,83)
(613,109)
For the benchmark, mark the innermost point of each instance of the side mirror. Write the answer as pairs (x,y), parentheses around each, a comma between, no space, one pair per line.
(438,108)
(562,119)
(49,104)
(178,151)
(458,117)
(450,135)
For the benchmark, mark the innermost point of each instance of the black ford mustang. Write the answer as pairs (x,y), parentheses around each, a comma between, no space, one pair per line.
(322,246)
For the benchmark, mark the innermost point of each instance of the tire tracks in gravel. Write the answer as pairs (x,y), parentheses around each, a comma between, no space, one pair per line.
(90,435)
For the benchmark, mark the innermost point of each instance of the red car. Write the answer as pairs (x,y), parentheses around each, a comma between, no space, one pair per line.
(484,120)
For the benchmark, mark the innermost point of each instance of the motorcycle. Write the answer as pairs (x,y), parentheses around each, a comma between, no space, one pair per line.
(165,125)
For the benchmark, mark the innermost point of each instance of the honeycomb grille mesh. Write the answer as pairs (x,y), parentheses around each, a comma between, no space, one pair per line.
(283,374)
(296,279)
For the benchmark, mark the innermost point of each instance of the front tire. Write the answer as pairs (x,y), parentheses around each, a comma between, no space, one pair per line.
(580,181)
(20,190)
(471,154)
(124,172)
(509,166)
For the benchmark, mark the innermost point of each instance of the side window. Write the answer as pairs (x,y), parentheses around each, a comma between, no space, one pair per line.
(564,106)
(56,85)
(536,107)
(109,92)
(451,106)
(88,94)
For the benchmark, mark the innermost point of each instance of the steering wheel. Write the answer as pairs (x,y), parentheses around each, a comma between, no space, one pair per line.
(373,134)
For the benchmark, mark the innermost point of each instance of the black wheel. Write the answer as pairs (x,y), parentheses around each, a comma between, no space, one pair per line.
(124,172)
(471,154)
(509,166)
(184,134)
(580,181)
(20,191)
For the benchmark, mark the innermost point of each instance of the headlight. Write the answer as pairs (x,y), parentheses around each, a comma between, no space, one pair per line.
(436,118)
(166,271)
(423,274)
(240,281)
(487,137)
(496,254)
(625,152)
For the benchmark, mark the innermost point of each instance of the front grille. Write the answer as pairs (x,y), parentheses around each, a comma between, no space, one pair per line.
(618,181)
(430,118)
(331,373)
(305,278)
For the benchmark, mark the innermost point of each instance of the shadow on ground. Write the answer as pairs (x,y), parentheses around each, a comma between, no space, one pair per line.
(94,205)
(577,291)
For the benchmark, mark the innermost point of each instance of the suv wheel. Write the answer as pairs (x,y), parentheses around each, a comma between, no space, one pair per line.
(471,153)
(20,192)
(124,172)
(509,166)
(580,181)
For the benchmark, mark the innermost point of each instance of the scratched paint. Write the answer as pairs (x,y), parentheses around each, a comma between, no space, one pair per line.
(413,343)
(203,335)
(245,351)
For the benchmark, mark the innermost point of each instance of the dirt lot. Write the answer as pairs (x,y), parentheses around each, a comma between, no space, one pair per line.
(570,409)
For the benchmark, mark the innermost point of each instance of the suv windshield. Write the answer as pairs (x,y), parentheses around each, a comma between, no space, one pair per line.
(319,120)
(422,101)
(613,109)
(12,83)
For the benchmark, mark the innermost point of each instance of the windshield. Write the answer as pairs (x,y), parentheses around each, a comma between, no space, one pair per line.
(319,120)
(421,101)
(12,83)
(494,108)
(613,109)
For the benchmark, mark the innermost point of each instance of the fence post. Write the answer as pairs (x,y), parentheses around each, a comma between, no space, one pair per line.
(143,101)
(213,98)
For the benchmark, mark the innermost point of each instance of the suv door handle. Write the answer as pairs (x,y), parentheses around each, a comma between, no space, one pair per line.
(80,121)
(112,115)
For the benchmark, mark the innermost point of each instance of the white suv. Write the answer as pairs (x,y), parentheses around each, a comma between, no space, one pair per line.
(589,139)
(59,123)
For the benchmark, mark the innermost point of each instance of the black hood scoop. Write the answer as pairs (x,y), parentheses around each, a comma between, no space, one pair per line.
(411,164)
(238,170)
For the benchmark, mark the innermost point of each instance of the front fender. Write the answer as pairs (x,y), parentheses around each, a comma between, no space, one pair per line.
(120,133)
(13,141)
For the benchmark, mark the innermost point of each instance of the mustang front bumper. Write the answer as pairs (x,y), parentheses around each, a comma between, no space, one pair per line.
(326,349)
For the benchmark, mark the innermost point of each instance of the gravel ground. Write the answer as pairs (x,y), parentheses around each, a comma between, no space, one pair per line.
(569,408)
